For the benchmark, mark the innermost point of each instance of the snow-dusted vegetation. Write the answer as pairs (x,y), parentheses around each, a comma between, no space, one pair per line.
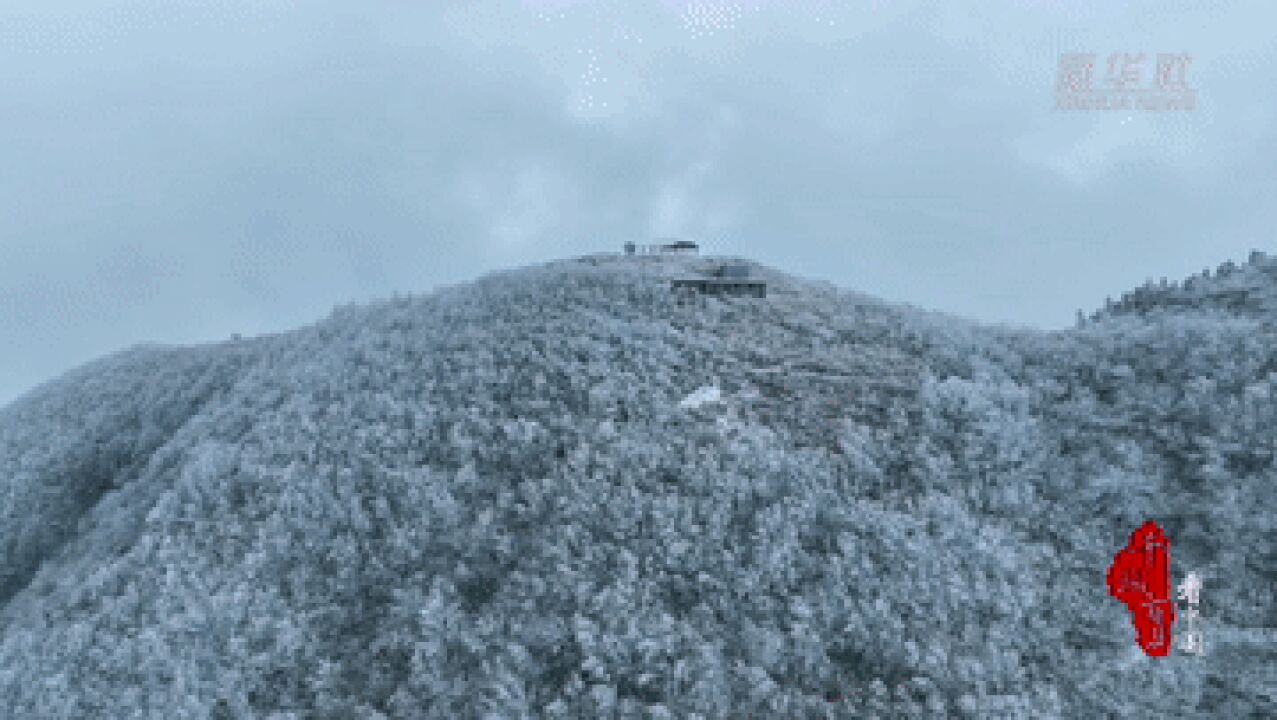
(491,502)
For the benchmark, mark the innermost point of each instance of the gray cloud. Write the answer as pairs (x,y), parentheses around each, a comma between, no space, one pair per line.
(177,174)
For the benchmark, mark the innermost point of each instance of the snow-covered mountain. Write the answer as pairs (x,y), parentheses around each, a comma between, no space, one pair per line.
(495,501)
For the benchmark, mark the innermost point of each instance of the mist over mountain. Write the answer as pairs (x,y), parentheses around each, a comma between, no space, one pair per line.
(566,491)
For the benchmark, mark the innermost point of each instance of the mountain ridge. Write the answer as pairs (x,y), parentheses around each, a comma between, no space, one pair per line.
(1248,288)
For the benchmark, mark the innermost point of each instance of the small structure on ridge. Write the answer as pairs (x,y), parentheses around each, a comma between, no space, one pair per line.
(672,247)
(728,279)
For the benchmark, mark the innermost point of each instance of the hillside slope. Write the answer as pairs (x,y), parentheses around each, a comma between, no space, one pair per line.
(488,502)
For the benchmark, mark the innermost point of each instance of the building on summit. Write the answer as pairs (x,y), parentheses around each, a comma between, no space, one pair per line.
(673,247)
(729,279)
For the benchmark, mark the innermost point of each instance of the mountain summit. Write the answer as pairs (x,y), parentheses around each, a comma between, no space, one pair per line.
(496,500)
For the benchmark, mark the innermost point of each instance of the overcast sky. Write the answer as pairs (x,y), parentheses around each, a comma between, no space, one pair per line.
(176,172)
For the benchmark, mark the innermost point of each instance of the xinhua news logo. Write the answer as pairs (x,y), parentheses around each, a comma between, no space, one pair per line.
(1128,81)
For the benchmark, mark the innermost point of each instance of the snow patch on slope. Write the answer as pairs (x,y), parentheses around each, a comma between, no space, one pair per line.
(703,395)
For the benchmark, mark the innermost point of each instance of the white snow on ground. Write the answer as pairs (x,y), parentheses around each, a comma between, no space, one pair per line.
(701,396)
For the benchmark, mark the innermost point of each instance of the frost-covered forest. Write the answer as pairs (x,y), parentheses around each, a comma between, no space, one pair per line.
(497,501)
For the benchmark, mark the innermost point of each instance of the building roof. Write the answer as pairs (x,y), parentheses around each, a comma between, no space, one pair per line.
(732,270)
